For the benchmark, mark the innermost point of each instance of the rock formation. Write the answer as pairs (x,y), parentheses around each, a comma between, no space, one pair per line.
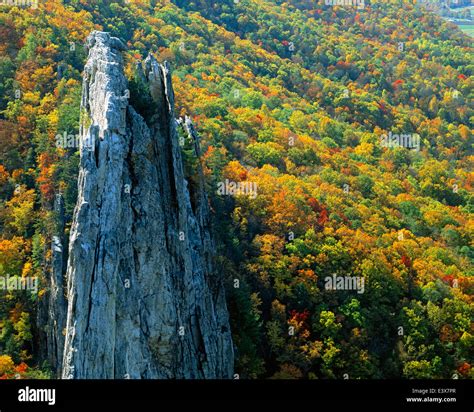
(51,316)
(143,298)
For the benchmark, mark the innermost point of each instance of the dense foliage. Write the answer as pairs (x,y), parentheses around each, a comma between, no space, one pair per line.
(293,97)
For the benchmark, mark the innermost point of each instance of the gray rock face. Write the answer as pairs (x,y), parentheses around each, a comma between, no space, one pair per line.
(51,316)
(57,300)
(143,298)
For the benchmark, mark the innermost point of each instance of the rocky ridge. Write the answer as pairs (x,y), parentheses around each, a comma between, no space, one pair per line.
(144,300)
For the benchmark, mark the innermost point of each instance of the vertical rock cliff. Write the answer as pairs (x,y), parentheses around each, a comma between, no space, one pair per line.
(143,298)
(51,316)
(57,300)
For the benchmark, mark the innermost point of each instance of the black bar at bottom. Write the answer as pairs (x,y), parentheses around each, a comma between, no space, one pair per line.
(449,395)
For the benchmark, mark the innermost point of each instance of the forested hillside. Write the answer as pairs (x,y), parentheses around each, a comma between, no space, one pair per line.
(336,141)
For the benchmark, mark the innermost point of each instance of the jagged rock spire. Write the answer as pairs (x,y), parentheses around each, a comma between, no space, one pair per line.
(143,298)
